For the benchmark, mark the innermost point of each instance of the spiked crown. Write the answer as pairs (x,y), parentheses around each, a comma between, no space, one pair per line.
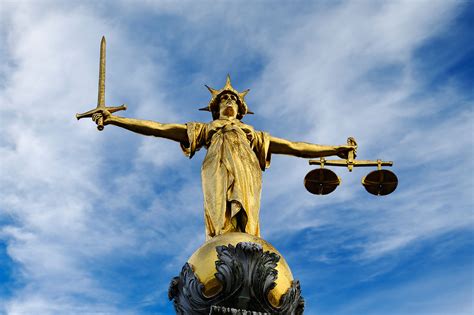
(213,105)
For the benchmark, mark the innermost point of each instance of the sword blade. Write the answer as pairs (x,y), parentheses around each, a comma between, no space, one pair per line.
(101,96)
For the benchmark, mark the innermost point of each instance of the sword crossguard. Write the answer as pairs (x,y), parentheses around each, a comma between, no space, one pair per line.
(100,121)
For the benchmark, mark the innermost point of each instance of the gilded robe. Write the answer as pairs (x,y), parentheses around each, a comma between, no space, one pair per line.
(231,171)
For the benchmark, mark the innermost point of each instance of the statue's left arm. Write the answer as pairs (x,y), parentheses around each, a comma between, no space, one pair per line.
(308,150)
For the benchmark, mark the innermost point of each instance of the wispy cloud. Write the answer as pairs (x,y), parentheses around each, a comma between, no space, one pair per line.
(84,206)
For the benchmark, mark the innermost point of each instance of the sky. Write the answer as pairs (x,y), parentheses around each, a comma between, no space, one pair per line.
(99,222)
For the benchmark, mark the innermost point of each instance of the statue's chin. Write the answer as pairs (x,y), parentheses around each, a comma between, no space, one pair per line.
(229,112)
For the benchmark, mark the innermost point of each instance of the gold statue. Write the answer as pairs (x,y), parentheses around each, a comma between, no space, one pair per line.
(236,155)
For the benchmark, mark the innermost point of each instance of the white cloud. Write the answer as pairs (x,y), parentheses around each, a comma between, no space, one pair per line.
(318,75)
(77,197)
(51,164)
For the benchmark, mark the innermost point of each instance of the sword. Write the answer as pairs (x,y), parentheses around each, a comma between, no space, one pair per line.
(101,94)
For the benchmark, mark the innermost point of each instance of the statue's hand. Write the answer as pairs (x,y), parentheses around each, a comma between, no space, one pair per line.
(343,151)
(104,114)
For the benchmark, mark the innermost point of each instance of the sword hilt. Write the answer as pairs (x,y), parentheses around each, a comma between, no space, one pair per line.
(100,121)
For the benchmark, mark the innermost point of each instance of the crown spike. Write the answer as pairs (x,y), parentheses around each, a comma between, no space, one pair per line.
(228,85)
(243,93)
(214,102)
(213,91)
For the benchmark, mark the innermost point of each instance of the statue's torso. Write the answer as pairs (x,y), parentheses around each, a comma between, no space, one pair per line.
(230,142)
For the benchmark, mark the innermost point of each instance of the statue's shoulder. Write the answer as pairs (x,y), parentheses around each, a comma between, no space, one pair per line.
(197,124)
(247,128)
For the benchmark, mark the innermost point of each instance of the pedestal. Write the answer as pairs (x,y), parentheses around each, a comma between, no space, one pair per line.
(242,280)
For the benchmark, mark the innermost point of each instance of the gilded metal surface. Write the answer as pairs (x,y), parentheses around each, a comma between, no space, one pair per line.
(203,263)
(96,113)
(355,163)
(236,154)
(380,182)
(101,96)
(350,161)
(231,174)
(321,181)
(213,105)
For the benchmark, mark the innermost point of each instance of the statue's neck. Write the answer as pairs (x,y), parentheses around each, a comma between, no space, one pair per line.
(234,119)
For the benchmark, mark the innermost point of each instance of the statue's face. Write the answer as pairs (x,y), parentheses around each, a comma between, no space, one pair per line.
(228,107)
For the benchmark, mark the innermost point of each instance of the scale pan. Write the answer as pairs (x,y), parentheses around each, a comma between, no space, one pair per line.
(380,182)
(321,181)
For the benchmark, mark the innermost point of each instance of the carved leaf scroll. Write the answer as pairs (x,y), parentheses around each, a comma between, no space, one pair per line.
(247,275)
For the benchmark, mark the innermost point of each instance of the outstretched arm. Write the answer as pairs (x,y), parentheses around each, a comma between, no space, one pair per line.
(176,132)
(308,150)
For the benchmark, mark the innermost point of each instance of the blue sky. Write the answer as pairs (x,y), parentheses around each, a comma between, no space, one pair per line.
(98,223)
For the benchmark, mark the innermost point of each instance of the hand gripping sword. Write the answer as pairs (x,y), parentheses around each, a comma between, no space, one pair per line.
(101,97)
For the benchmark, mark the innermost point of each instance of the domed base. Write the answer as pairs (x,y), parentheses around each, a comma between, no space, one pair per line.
(240,271)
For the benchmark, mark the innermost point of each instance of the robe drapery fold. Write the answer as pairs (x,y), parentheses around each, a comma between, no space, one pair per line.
(231,171)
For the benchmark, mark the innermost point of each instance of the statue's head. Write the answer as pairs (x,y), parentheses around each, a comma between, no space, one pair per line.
(228,105)
(225,100)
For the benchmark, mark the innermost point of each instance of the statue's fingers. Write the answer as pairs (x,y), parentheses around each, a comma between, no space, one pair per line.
(106,114)
(96,117)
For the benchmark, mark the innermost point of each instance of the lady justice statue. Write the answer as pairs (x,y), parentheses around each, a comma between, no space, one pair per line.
(247,278)
(236,156)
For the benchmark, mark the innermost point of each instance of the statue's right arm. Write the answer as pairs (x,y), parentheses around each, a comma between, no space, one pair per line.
(176,132)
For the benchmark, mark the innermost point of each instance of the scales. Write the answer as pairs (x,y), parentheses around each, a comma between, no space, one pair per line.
(323,181)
